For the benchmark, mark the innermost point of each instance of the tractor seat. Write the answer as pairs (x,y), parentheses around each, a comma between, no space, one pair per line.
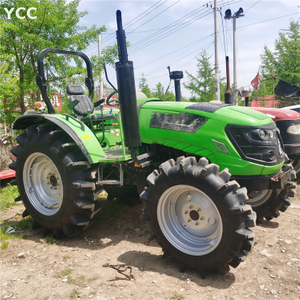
(85,104)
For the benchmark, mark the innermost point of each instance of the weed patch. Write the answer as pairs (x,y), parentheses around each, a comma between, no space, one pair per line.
(8,196)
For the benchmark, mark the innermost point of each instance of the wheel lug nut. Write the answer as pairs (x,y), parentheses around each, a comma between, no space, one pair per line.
(191,206)
(201,218)
(212,221)
(189,220)
(186,212)
(199,209)
(197,223)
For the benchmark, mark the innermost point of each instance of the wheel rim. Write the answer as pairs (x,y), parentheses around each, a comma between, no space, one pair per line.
(257,198)
(43,184)
(189,220)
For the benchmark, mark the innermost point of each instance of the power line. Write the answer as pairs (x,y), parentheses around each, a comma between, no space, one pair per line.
(155,16)
(148,43)
(168,54)
(126,26)
(167,27)
(140,16)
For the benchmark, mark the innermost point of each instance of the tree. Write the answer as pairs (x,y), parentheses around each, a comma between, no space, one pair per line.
(170,96)
(202,85)
(284,62)
(144,87)
(159,92)
(55,26)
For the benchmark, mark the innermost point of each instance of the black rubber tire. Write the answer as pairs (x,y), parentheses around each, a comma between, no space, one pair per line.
(78,205)
(273,202)
(236,239)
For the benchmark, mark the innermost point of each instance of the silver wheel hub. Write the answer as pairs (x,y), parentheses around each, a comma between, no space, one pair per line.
(189,220)
(43,184)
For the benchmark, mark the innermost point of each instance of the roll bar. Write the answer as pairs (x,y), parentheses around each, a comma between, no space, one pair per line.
(41,80)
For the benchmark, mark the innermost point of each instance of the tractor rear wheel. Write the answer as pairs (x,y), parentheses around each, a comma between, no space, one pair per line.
(55,181)
(197,216)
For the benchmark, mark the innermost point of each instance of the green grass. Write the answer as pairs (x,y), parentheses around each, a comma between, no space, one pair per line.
(71,280)
(74,294)
(65,272)
(92,279)
(24,223)
(8,196)
(177,297)
(50,240)
(6,236)
(4,245)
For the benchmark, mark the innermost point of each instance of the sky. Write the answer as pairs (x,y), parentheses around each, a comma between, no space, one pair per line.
(173,33)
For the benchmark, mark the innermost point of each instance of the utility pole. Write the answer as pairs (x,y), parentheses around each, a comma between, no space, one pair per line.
(217,72)
(273,81)
(239,13)
(234,62)
(100,79)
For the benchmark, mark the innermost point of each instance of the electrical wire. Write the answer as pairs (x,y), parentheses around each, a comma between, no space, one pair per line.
(167,34)
(155,16)
(168,54)
(162,30)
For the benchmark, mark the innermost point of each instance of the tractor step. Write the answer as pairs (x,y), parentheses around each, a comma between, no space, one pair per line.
(108,182)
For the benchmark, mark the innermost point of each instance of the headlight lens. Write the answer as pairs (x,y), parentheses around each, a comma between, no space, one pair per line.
(262,134)
(294,129)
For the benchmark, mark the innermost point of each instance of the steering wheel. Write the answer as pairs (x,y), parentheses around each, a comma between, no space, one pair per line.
(112,102)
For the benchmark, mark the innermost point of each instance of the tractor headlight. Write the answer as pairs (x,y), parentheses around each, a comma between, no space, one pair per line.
(294,129)
(260,136)
(260,145)
(263,134)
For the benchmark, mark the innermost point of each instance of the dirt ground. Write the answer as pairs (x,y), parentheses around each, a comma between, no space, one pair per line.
(80,267)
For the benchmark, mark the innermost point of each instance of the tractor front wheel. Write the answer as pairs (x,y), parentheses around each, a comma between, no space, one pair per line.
(198,216)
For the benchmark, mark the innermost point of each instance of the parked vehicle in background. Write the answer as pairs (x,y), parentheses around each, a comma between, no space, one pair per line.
(293,107)
(288,122)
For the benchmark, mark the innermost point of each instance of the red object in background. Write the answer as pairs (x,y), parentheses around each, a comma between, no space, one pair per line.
(7,174)
(55,100)
(267,101)
(278,114)
(255,81)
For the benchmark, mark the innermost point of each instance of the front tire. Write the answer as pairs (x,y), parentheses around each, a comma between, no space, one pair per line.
(55,181)
(197,216)
(268,203)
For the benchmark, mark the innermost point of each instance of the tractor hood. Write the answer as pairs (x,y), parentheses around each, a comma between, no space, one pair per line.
(222,112)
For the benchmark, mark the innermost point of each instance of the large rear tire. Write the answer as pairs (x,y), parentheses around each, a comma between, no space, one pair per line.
(55,181)
(197,216)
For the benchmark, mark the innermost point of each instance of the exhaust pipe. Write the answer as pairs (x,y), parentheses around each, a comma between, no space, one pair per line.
(127,93)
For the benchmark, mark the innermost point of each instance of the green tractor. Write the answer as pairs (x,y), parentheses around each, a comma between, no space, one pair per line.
(176,155)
